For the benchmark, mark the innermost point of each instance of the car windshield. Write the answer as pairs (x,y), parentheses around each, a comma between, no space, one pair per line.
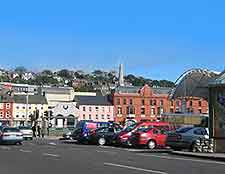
(130,128)
(184,130)
(25,127)
(10,130)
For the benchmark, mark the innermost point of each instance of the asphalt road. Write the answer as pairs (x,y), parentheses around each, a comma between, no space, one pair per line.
(53,157)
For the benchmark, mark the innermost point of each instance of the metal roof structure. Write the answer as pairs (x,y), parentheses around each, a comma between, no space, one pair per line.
(194,83)
(93,100)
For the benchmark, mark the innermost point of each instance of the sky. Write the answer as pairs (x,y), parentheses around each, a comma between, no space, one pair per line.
(157,39)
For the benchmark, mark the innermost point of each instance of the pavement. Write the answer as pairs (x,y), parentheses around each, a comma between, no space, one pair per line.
(53,156)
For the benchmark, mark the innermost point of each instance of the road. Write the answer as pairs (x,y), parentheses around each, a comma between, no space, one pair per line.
(54,157)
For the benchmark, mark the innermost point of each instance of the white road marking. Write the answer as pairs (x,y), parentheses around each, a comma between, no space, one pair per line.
(104,151)
(51,155)
(5,148)
(52,143)
(25,151)
(135,168)
(184,159)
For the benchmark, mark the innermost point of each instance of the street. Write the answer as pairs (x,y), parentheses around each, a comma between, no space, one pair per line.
(52,156)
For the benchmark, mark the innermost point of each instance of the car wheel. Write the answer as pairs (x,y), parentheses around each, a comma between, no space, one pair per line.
(101,141)
(151,144)
(20,143)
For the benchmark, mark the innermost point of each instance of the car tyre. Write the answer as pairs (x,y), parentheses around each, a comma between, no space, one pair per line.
(101,141)
(151,144)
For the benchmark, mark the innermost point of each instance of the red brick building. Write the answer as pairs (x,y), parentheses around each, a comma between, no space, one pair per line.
(140,103)
(6,105)
(146,103)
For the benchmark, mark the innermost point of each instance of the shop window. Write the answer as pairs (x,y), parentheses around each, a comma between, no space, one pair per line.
(142,111)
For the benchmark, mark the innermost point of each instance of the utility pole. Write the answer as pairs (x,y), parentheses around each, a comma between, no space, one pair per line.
(27,102)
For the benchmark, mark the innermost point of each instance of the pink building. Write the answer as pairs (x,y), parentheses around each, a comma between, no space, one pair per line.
(96,108)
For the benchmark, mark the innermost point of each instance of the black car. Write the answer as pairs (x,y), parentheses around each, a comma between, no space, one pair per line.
(104,136)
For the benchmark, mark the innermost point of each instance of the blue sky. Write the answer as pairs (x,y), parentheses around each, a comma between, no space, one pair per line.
(158,39)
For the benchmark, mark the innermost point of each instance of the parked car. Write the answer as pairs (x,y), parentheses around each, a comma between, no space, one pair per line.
(148,137)
(10,135)
(186,137)
(27,132)
(104,136)
(67,134)
(124,135)
(83,129)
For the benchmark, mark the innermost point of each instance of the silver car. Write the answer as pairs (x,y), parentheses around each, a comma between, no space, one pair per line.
(186,137)
(27,132)
(10,135)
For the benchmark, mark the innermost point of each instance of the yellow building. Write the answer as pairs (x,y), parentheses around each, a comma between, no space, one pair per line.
(24,106)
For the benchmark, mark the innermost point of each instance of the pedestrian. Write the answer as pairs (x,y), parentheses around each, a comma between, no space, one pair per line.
(34,130)
(39,131)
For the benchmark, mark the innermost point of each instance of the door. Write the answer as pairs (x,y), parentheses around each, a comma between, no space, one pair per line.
(160,137)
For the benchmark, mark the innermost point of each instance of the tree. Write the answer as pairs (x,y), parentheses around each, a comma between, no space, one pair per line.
(20,70)
(47,73)
(65,74)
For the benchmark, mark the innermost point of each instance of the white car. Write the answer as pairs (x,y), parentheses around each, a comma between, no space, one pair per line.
(27,132)
(10,135)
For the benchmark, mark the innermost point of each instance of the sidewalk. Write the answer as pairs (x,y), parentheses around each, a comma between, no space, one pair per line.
(211,156)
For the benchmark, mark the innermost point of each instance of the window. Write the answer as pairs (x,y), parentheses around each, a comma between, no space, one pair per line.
(103,117)
(89,109)
(158,110)
(23,116)
(89,116)
(130,110)
(124,101)
(161,103)
(96,108)
(24,107)
(17,107)
(200,131)
(118,101)
(171,110)
(119,110)
(42,108)
(103,109)
(30,107)
(108,117)
(1,114)
(96,117)
(171,103)
(191,103)
(199,103)
(152,111)
(131,101)
(84,109)
(177,103)
(7,114)
(109,109)
(17,116)
(142,111)
(152,102)
(84,117)
(7,106)
(143,102)
(1,105)
(199,111)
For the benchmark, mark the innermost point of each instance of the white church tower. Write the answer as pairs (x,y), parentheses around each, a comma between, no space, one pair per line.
(121,75)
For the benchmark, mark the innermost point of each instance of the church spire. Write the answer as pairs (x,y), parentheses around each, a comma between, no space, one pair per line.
(121,75)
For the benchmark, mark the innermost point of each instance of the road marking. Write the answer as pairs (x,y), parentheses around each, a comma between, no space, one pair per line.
(184,159)
(25,151)
(135,168)
(104,151)
(51,155)
(52,143)
(5,148)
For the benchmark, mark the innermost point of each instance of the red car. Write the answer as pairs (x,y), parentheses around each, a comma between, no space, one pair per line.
(124,136)
(150,137)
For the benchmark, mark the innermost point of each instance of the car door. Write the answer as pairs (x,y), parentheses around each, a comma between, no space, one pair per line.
(159,136)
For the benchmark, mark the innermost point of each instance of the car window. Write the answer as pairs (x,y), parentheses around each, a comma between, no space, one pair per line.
(155,131)
(111,129)
(184,130)
(200,131)
(10,130)
(104,129)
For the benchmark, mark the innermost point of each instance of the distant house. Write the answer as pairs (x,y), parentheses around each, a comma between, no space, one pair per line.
(37,104)
(28,76)
(96,108)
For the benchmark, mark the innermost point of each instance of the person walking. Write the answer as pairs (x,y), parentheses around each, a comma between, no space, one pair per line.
(34,130)
(39,130)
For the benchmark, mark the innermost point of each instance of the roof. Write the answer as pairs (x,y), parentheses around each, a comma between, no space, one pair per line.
(32,99)
(219,80)
(135,89)
(93,100)
(194,83)
(57,90)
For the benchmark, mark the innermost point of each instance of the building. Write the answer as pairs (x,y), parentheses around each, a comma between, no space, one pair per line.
(96,108)
(6,107)
(65,114)
(140,103)
(24,106)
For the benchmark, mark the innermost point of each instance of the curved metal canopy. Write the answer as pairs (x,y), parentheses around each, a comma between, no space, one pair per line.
(193,83)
